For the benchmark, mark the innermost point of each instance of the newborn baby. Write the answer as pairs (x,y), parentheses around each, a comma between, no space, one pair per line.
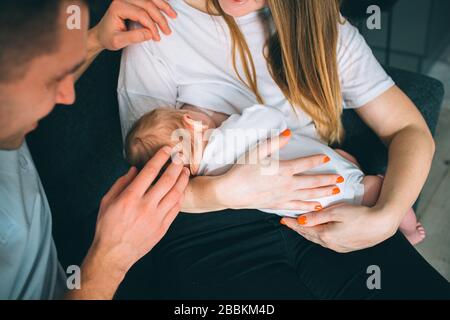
(211,143)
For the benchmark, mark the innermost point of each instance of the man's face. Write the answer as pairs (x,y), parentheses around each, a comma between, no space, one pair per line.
(49,80)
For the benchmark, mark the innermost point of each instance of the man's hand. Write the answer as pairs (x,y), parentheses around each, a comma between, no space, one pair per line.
(112,32)
(134,216)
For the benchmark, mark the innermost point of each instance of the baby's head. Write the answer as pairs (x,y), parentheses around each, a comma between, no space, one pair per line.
(156,129)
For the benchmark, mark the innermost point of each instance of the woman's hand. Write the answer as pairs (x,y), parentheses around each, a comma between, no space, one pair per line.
(345,228)
(258,182)
(112,32)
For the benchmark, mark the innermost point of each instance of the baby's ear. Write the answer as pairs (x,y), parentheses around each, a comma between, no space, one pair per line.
(192,124)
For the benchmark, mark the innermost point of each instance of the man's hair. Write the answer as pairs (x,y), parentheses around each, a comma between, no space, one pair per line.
(28,29)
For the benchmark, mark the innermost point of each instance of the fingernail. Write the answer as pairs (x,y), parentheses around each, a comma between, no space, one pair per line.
(286,133)
(336,191)
(318,208)
(302,220)
(326,159)
(340,179)
(187,171)
(283,222)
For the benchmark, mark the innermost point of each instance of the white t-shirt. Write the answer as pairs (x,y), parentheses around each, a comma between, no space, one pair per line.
(194,65)
(240,133)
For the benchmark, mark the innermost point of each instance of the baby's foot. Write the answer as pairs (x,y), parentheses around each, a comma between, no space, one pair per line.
(416,235)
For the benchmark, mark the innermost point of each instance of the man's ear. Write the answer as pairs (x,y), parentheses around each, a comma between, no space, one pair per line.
(192,124)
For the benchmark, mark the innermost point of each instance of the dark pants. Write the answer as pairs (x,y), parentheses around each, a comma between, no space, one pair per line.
(249,254)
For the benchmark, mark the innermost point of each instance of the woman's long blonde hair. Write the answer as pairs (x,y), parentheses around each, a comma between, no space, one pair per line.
(302,58)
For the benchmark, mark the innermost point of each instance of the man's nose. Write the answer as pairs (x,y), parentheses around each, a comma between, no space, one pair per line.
(66,91)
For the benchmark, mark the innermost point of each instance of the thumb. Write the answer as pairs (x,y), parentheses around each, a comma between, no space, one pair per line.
(124,39)
(316,218)
(312,219)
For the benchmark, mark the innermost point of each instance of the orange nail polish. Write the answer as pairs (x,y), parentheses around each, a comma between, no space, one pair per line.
(282,222)
(302,220)
(340,180)
(286,133)
(318,208)
(326,159)
(336,191)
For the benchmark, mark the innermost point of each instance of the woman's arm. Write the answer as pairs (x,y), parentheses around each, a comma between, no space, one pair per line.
(399,124)
(346,228)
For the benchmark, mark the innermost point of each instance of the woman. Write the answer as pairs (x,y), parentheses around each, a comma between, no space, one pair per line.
(301,57)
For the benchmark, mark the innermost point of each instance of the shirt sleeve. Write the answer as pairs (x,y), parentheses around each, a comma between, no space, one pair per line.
(362,78)
(145,83)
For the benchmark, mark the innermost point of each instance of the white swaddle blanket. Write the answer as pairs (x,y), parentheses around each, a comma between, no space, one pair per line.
(241,132)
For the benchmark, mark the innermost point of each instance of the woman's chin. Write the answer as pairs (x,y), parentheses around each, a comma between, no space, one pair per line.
(235,8)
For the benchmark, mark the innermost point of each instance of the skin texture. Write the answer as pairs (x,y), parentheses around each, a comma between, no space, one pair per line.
(133,215)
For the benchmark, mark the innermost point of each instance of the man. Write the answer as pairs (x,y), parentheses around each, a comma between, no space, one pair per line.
(40,58)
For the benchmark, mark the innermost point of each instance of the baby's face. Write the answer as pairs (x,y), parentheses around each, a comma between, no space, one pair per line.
(198,124)
(197,116)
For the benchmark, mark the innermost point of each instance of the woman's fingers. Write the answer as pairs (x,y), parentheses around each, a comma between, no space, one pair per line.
(315,193)
(300,206)
(268,147)
(312,219)
(300,165)
(317,181)
(149,173)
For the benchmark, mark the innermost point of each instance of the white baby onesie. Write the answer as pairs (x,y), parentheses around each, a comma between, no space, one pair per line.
(241,132)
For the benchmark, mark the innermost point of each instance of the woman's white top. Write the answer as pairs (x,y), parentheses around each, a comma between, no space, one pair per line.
(240,133)
(194,66)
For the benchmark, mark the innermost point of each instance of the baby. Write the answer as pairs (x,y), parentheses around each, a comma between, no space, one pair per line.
(211,143)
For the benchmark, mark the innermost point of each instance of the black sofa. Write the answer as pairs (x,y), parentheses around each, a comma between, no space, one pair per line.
(78,149)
